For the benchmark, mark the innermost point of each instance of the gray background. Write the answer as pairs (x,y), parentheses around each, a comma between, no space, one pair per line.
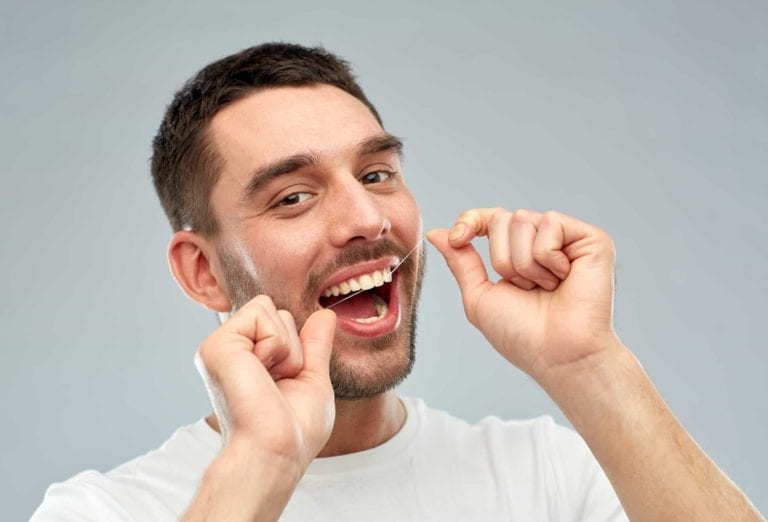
(645,118)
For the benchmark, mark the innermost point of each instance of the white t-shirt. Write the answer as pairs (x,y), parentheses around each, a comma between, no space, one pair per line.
(437,467)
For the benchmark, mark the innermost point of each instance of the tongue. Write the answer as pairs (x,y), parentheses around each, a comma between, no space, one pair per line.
(359,306)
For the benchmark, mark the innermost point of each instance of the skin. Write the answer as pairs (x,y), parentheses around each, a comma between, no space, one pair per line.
(550,314)
(336,213)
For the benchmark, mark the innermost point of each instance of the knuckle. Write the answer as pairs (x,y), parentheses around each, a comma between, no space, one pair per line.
(523,266)
(263,300)
(523,283)
(466,215)
(521,215)
(204,352)
(287,318)
(502,265)
(605,240)
(550,216)
(291,366)
(472,218)
(499,216)
(542,252)
(270,351)
(280,343)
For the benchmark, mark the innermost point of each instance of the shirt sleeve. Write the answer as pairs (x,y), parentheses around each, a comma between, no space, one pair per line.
(78,499)
(586,494)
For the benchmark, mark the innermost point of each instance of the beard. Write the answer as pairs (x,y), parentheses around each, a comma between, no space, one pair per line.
(389,358)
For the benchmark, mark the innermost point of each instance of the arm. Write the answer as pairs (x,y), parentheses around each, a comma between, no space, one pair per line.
(245,483)
(551,315)
(656,468)
(273,399)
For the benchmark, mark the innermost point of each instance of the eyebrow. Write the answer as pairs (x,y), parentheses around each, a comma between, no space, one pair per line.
(381,143)
(263,176)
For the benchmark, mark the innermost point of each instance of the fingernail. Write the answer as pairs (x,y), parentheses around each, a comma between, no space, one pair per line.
(457,231)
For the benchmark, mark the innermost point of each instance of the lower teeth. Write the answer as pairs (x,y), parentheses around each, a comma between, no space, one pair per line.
(381,311)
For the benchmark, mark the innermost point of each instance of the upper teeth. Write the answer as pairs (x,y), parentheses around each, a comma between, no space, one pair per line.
(363,282)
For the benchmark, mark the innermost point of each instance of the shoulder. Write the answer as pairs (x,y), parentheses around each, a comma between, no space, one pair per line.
(522,444)
(535,461)
(528,434)
(157,485)
(85,496)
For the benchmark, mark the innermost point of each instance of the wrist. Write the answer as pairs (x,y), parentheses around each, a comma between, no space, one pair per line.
(240,453)
(609,399)
(592,379)
(245,482)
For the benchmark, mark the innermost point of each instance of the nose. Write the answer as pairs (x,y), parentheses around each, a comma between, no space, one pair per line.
(357,214)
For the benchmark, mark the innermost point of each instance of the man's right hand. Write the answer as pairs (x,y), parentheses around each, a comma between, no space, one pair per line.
(273,399)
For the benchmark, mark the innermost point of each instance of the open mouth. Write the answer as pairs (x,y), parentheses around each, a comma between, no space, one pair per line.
(363,299)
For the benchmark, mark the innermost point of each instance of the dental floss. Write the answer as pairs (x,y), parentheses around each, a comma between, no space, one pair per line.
(392,271)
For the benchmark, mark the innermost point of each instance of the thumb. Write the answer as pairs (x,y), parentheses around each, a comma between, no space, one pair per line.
(317,341)
(465,263)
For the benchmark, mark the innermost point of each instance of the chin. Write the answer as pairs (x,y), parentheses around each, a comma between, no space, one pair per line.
(374,366)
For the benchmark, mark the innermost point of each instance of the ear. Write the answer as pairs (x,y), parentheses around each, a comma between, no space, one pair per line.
(195,269)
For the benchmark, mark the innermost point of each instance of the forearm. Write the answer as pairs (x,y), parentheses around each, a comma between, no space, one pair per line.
(656,468)
(244,484)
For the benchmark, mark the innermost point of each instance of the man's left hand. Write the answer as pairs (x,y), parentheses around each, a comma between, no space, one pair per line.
(552,309)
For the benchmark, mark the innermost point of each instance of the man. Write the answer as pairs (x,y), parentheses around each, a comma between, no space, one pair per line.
(291,214)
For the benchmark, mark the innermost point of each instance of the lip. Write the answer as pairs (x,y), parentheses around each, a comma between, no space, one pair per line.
(386,324)
(358,270)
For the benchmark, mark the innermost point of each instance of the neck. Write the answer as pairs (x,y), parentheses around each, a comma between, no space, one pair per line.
(364,424)
(359,425)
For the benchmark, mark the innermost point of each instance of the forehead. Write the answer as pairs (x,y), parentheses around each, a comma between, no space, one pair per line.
(278,122)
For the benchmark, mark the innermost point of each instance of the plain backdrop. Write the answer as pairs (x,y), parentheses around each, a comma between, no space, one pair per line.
(648,119)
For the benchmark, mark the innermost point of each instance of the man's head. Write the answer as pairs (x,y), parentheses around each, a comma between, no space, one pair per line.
(185,164)
(279,179)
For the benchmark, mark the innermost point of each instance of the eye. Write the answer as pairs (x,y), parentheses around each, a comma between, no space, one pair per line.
(293,199)
(377,176)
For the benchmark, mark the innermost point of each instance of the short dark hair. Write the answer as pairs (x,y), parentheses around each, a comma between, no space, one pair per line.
(185,164)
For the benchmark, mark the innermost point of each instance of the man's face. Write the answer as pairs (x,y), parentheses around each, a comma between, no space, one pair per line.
(311,202)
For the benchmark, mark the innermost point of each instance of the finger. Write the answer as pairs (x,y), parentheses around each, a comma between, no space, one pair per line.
(242,322)
(582,239)
(470,224)
(238,334)
(271,346)
(291,364)
(498,245)
(476,222)
(226,360)
(499,241)
(316,338)
(259,322)
(548,246)
(523,232)
(467,268)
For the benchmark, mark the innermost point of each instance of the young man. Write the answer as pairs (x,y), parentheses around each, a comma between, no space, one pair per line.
(287,197)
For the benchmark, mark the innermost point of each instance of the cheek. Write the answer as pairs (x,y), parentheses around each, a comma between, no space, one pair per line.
(407,219)
(283,259)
